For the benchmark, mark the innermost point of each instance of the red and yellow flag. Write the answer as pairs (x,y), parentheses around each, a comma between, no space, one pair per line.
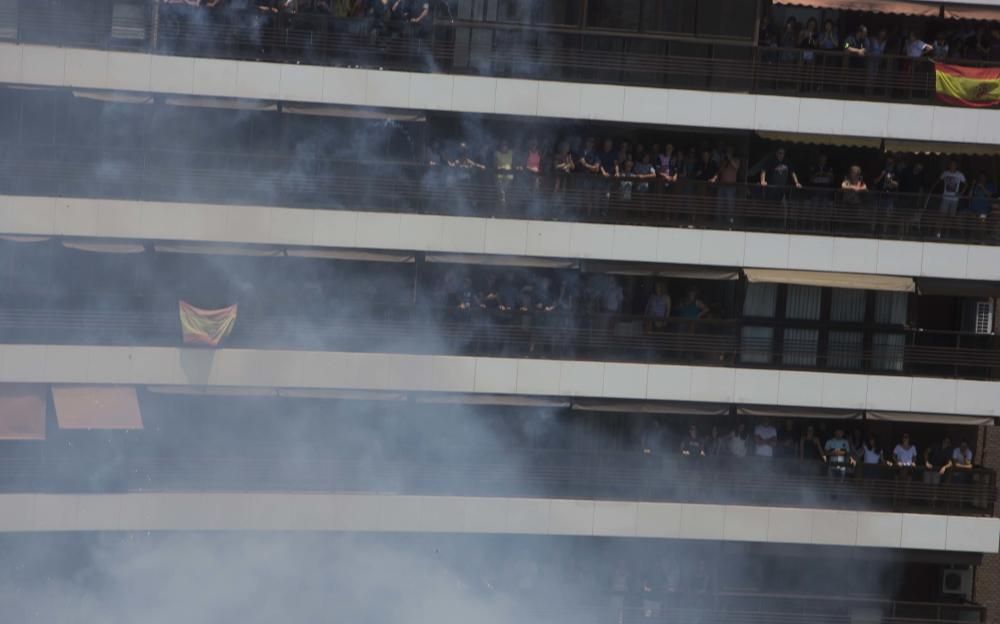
(206,327)
(977,87)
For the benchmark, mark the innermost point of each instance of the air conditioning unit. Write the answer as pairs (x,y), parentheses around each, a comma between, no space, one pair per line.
(957,582)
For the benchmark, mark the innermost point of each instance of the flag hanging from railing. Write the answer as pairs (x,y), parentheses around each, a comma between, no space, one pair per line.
(978,87)
(206,327)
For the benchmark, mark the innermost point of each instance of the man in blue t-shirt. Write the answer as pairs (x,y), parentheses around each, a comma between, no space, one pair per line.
(837,451)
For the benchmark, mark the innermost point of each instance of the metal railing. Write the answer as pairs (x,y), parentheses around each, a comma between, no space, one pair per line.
(545,473)
(419,188)
(559,334)
(496,49)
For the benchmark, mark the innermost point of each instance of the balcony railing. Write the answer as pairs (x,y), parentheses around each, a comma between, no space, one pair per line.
(557,334)
(495,49)
(409,187)
(548,474)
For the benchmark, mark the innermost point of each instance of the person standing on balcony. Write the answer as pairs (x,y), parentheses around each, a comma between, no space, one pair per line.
(960,464)
(503,162)
(727,177)
(936,460)
(981,196)
(765,438)
(777,179)
(837,451)
(905,455)
(953,184)
(821,179)
(857,47)
(876,52)
(692,445)
(658,308)
(887,185)
(811,450)
(872,458)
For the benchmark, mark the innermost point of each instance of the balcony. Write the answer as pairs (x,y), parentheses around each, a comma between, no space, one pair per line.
(564,53)
(556,335)
(416,188)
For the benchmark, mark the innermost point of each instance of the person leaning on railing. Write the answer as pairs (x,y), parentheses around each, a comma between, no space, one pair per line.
(936,461)
(837,454)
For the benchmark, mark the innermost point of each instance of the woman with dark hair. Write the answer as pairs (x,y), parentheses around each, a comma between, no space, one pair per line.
(873,458)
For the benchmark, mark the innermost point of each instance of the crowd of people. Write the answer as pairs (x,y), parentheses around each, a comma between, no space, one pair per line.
(900,188)
(970,41)
(841,455)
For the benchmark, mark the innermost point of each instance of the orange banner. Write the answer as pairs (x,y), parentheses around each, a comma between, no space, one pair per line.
(976,87)
(206,327)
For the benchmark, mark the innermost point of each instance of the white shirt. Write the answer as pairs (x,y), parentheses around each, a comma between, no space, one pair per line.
(915,49)
(961,458)
(905,456)
(953,180)
(871,457)
(765,432)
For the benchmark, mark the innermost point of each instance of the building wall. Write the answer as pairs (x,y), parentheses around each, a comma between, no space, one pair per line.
(987,586)
(69,67)
(143,220)
(538,516)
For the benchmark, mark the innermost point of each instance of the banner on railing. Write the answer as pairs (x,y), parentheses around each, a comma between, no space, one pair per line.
(206,327)
(977,87)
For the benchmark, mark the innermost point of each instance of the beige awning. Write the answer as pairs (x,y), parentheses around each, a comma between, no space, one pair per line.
(778,411)
(97,407)
(218,249)
(118,97)
(492,399)
(336,394)
(123,247)
(24,238)
(350,254)
(241,391)
(22,412)
(510,261)
(678,271)
(860,281)
(870,6)
(821,139)
(935,147)
(940,419)
(214,102)
(651,407)
(332,110)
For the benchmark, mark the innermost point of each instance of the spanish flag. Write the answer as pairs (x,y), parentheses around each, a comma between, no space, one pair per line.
(206,327)
(977,87)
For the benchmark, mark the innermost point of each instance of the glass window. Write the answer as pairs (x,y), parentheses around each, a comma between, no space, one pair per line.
(761,300)
(803,302)
(847,305)
(756,344)
(890,308)
(844,349)
(800,347)
(887,352)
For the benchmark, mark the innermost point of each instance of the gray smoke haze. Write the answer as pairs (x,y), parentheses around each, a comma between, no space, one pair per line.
(278,577)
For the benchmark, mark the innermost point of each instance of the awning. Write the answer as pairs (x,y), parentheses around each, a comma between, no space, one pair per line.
(218,249)
(832,280)
(957,288)
(117,97)
(934,147)
(940,419)
(331,110)
(821,139)
(870,6)
(346,395)
(350,254)
(678,271)
(227,103)
(123,247)
(651,407)
(972,13)
(22,412)
(97,407)
(510,261)
(512,400)
(777,411)
(24,238)
(234,391)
